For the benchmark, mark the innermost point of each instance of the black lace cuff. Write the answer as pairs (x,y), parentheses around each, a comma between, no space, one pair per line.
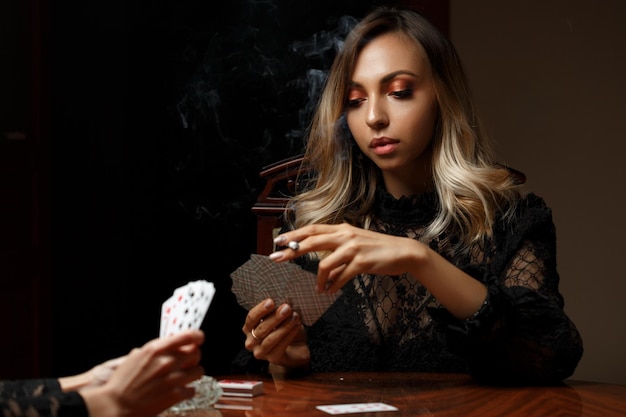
(57,404)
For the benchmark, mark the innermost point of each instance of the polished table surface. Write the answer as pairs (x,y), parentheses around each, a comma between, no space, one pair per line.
(421,394)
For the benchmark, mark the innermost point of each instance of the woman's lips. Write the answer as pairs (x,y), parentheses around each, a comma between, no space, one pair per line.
(384,146)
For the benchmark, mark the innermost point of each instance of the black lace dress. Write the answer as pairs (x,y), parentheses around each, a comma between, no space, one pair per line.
(521,334)
(39,397)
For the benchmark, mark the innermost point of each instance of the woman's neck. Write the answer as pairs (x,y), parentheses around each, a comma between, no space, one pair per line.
(399,189)
(408,182)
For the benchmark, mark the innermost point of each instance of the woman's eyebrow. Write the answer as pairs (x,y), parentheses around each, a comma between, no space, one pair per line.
(386,78)
(394,74)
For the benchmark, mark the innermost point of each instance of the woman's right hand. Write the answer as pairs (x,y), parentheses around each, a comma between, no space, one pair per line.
(276,335)
(150,379)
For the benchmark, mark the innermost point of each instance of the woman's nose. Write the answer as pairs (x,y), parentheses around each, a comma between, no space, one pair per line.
(376,114)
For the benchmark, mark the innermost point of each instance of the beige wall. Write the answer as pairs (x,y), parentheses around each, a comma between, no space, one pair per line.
(549,78)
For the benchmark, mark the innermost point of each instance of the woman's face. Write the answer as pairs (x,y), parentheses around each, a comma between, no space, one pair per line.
(392,111)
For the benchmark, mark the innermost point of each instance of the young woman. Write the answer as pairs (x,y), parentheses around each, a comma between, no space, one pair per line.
(147,381)
(444,264)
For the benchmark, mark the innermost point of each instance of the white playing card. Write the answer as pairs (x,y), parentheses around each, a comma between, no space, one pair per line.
(186,308)
(356,408)
(199,300)
(195,298)
(166,311)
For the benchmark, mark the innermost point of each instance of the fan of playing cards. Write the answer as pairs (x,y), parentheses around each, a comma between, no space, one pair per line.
(186,308)
(285,282)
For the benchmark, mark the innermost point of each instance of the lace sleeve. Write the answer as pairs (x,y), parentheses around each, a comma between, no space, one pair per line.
(39,398)
(521,334)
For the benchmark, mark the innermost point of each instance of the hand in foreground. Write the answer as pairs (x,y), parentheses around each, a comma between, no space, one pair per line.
(276,335)
(350,251)
(96,376)
(150,379)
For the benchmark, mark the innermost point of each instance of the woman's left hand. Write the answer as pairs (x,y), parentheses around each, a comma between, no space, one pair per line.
(349,251)
(276,335)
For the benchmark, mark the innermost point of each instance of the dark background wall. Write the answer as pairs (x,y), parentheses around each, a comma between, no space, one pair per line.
(549,80)
(163,114)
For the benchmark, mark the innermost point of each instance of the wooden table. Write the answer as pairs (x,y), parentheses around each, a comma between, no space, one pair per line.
(417,394)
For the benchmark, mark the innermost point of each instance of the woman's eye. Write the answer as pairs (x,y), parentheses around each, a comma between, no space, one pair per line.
(401,93)
(354,102)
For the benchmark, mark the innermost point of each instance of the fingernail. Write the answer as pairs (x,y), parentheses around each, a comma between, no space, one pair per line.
(275,256)
(295,319)
(268,305)
(279,239)
(284,310)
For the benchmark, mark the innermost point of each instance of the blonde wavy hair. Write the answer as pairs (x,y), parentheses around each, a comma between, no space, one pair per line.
(472,188)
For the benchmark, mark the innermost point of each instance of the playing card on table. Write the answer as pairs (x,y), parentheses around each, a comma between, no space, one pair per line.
(186,308)
(356,408)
